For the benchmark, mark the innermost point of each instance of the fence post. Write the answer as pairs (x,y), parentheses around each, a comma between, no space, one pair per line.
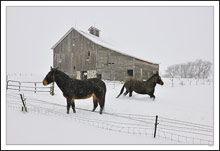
(6,82)
(35,87)
(52,89)
(155,129)
(19,86)
(24,106)
(172,82)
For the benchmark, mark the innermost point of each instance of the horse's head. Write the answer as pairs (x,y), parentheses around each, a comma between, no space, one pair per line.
(49,77)
(157,79)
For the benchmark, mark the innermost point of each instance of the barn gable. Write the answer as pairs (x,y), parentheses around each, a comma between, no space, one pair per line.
(100,41)
(79,52)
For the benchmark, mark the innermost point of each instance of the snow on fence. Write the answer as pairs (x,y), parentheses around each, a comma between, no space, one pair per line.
(154,126)
(29,86)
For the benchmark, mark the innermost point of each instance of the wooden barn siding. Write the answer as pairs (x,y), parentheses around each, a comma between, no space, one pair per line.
(147,70)
(122,63)
(75,55)
(116,71)
(63,51)
(82,54)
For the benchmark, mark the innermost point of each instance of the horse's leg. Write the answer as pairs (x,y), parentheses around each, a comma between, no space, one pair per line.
(101,104)
(126,93)
(68,106)
(95,103)
(73,105)
(100,95)
(152,96)
(130,93)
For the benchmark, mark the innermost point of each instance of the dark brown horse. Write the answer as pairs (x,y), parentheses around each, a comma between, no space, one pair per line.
(78,89)
(141,87)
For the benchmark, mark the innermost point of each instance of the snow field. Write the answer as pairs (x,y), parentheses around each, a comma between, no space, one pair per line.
(125,120)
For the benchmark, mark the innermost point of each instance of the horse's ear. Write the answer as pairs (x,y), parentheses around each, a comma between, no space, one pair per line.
(155,72)
(51,68)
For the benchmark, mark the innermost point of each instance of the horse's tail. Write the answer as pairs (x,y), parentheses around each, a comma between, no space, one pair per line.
(122,89)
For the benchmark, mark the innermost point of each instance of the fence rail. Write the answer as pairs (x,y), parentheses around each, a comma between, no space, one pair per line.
(154,126)
(29,86)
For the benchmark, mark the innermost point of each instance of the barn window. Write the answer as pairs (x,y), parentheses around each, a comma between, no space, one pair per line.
(130,73)
(73,42)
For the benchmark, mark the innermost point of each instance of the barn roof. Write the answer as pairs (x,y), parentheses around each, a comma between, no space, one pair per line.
(100,41)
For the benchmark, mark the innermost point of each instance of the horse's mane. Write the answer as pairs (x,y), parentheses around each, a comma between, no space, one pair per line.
(60,73)
(132,78)
(152,76)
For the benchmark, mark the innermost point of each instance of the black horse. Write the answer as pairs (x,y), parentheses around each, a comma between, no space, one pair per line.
(141,87)
(78,89)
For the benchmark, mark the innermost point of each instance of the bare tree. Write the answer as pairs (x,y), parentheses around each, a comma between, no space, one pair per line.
(171,71)
(190,69)
(197,69)
(206,69)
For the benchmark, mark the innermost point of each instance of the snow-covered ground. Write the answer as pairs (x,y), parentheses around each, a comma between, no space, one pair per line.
(185,116)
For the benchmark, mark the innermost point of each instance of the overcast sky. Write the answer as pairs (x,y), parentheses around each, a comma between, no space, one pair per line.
(164,35)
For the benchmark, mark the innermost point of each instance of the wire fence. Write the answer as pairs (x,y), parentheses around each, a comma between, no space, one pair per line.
(127,126)
(182,132)
(174,82)
(185,132)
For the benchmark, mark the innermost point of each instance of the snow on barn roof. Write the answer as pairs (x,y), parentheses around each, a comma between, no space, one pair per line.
(100,41)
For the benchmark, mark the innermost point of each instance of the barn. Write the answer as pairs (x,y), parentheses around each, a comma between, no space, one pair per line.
(84,55)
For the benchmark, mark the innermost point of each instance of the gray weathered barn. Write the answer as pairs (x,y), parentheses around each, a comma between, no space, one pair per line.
(86,55)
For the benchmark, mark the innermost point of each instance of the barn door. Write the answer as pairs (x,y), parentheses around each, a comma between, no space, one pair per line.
(99,76)
(83,75)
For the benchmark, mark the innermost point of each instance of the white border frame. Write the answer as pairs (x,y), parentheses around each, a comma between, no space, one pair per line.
(4,4)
